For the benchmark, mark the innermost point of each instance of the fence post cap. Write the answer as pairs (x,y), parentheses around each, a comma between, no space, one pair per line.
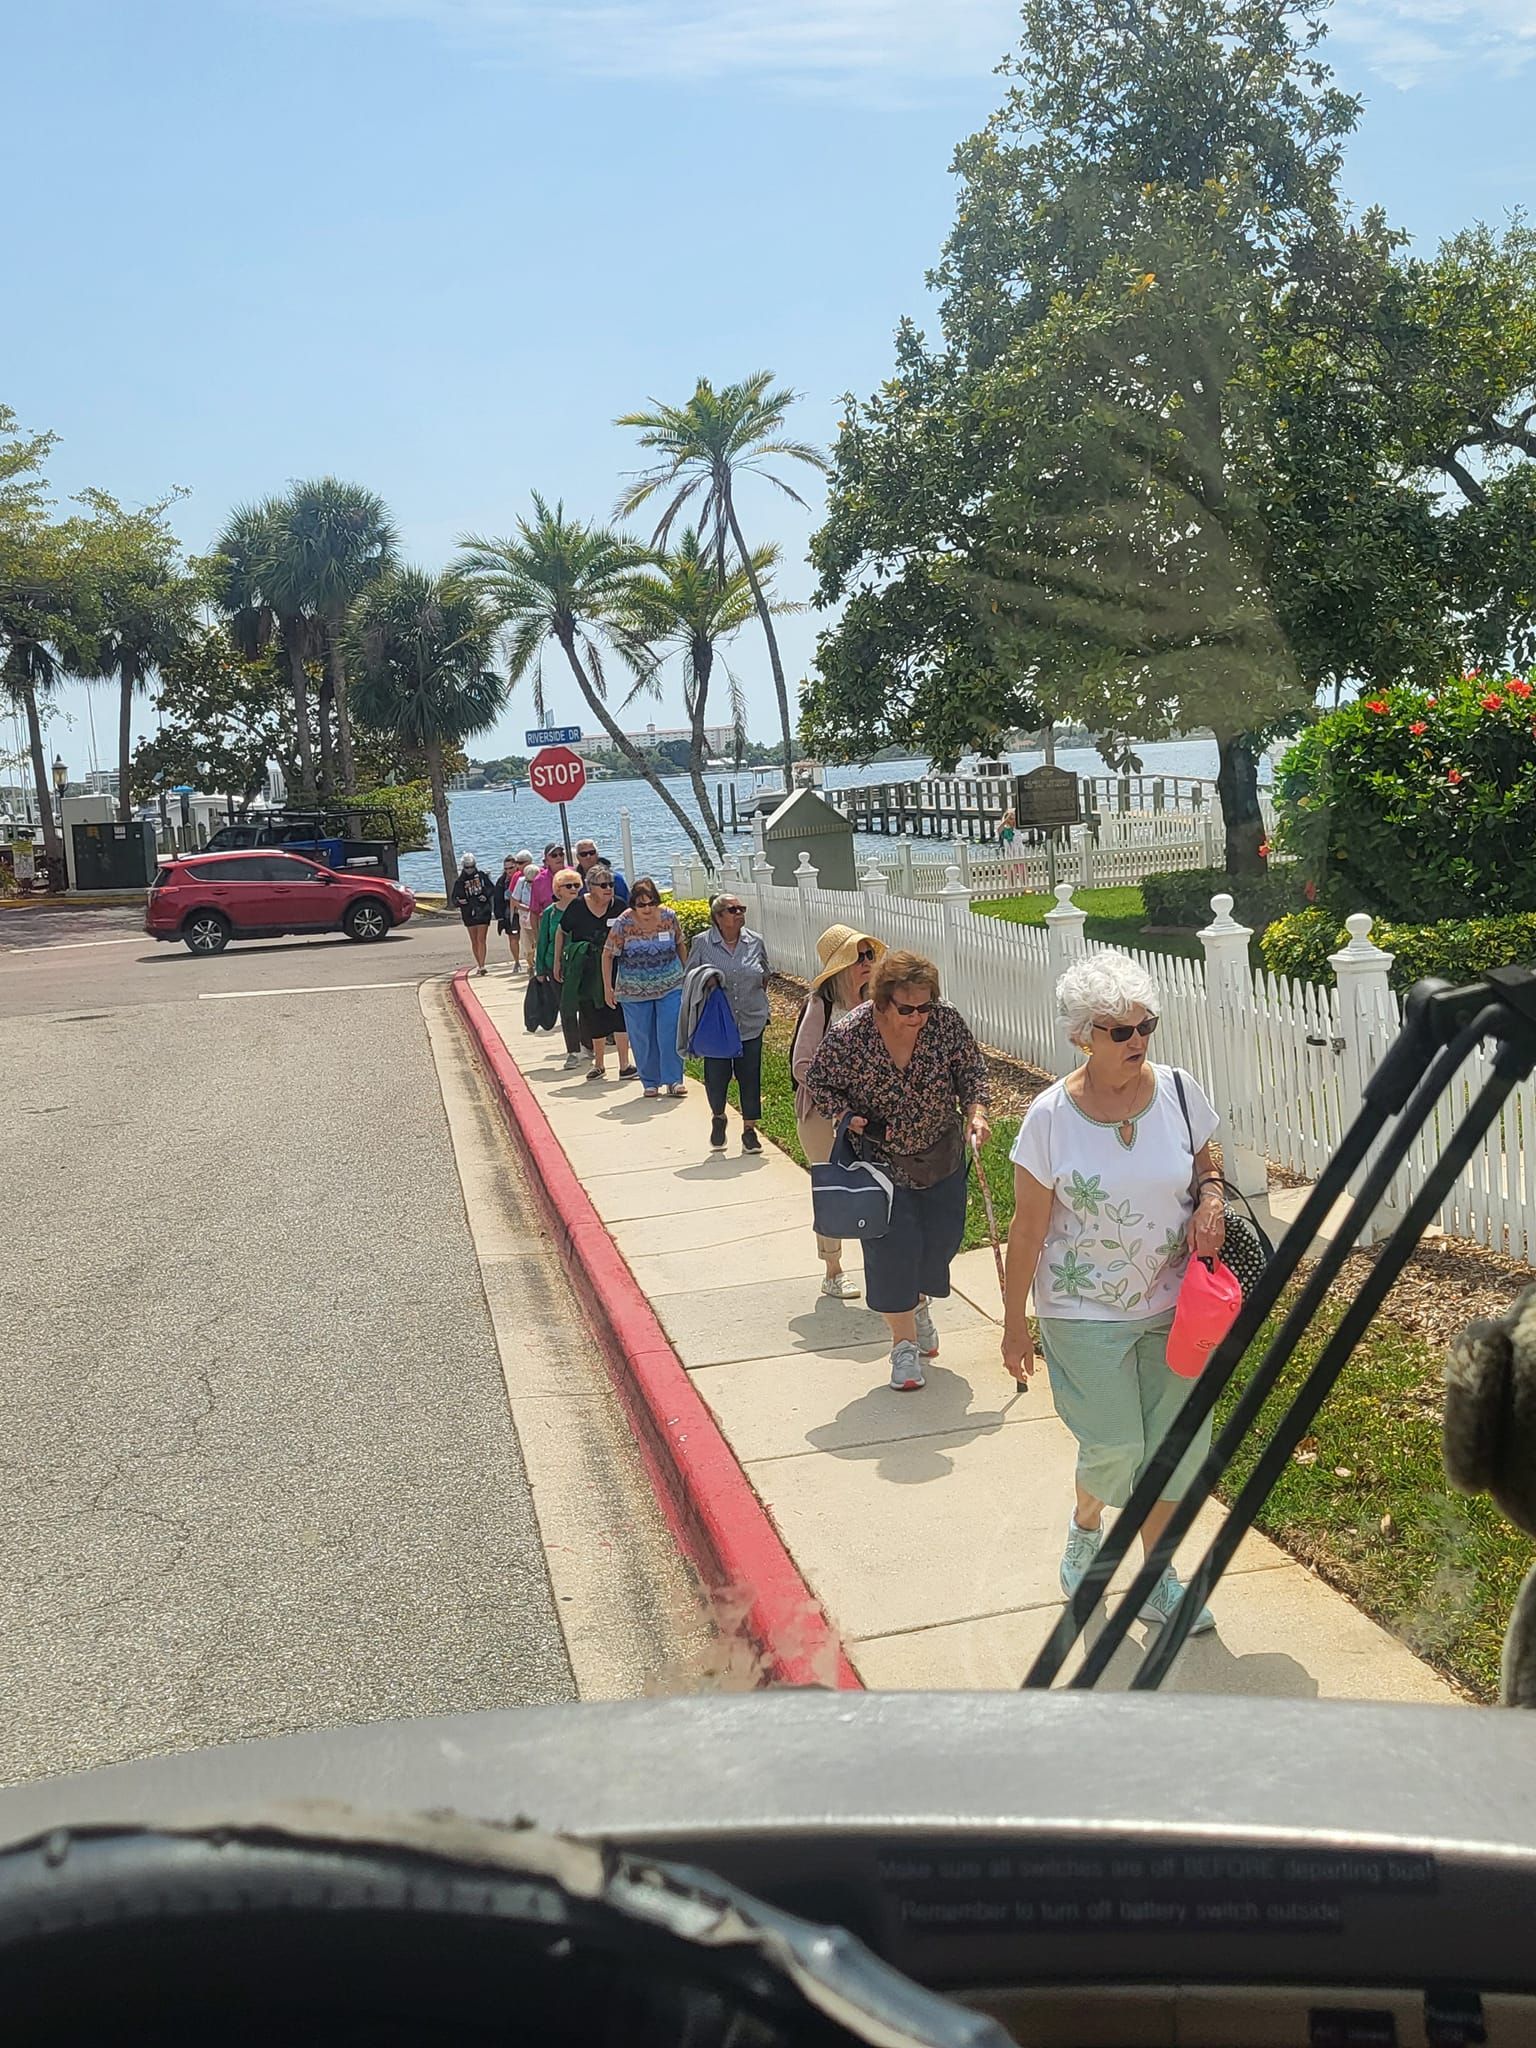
(953,886)
(1223,924)
(1066,911)
(1362,950)
(804,861)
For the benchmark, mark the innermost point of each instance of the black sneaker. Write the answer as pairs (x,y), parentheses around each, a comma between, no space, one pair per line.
(717,1132)
(750,1141)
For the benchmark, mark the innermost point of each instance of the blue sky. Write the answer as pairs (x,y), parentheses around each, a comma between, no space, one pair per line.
(436,245)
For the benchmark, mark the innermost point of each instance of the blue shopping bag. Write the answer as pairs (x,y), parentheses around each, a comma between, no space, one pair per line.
(849,1197)
(715,1036)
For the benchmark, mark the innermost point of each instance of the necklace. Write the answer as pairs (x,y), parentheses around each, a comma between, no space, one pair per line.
(1124,1127)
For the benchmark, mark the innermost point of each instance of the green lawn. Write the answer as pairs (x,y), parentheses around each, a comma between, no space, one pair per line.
(1444,1571)
(1115,918)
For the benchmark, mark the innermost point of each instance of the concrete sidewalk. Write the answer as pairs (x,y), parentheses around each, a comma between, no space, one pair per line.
(929,1524)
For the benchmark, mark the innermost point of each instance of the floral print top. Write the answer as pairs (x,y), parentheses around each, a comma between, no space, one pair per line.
(1116,1242)
(853,1075)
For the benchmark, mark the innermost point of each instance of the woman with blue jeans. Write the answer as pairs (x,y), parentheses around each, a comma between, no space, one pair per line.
(1114,1188)
(643,964)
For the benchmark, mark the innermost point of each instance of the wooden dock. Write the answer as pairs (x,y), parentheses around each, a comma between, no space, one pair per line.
(972,806)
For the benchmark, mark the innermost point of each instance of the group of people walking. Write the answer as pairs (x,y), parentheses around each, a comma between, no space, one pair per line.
(1115,1183)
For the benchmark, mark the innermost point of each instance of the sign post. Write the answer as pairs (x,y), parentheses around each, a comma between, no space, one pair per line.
(559,776)
(1049,798)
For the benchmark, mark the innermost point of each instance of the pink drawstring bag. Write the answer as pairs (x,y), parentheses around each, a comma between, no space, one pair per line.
(1209,1299)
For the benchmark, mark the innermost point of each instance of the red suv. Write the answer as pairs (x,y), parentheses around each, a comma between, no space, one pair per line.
(207,899)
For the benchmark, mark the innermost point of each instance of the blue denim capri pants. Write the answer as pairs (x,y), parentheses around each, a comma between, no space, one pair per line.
(1114,1390)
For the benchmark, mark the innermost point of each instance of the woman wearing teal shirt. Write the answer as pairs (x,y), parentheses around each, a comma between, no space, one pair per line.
(643,965)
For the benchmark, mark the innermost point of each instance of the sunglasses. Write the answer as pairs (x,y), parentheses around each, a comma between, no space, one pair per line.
(732,910)
(586,853)
(645,902)
(566,888)
(912,1009)
(1121,1033)
(599,888)
(865,956)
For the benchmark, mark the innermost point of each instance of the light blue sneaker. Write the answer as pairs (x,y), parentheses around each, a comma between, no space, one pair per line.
(1165,1596)
(1082,1548)
(906,1368)
(927,1335)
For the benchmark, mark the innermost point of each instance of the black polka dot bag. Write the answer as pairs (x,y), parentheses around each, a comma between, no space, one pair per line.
(1247,1249)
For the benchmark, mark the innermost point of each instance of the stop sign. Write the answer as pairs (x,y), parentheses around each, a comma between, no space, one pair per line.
(557,775)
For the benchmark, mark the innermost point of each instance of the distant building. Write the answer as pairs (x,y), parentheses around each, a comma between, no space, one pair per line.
(101,782)
(718,739)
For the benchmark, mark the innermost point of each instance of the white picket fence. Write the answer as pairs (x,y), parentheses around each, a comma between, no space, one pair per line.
(1285,1062)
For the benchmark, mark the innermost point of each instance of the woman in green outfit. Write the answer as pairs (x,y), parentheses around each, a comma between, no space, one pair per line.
(567,887)
(1114,1187)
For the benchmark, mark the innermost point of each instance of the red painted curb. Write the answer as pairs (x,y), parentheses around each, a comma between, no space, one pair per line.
(708,1500)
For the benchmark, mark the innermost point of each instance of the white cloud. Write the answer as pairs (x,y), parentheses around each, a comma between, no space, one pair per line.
(892,47)
(1409,41)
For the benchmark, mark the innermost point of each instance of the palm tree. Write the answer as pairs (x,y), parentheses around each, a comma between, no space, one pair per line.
(423,645)
(704,447)
(336,539)
(562,580)
(250,584)
(682,604)
(28,674)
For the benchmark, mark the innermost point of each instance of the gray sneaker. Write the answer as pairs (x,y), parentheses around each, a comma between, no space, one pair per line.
(1082,1548)
(1164,1597)
(906,1368)
(927,1335)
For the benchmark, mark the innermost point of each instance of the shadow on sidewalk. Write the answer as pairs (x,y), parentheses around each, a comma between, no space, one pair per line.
(1206,1665)
(943,1410)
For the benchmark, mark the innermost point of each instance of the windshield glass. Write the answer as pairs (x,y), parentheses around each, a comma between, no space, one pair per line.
(896,633)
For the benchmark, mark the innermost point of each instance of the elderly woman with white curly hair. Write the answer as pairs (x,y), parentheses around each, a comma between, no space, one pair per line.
(1114,1187)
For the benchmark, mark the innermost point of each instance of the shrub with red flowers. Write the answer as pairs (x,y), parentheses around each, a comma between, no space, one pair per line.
(1418,807)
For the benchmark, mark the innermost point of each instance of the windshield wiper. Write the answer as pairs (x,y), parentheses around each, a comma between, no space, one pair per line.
(1442,1027)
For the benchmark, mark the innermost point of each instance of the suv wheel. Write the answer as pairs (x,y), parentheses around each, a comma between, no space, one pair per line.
(366,920)
(205,932)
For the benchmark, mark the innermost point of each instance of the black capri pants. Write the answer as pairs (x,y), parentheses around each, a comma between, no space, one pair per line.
(927,1226)
(747,1067)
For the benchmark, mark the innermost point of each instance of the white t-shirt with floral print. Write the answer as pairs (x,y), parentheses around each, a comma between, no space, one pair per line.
(1116,1242)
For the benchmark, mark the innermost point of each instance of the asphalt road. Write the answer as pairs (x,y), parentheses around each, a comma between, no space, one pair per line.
(257,1470)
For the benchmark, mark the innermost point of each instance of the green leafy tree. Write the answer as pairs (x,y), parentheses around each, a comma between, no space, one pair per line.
(423,648)
(1150,518)
(143,602)
(333,540)
(222,719)
(704,448)
(39,597)
(562,581)
(682,604)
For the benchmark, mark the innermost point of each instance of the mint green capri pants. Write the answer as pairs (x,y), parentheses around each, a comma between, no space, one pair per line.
(1114,1390)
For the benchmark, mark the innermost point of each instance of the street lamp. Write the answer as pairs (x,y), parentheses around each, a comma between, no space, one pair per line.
(60,775)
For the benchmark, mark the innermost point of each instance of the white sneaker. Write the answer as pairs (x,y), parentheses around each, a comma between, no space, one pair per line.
(906,1368)
(575,1059)
(838,1287)
(927,1335)
(1082,1548)
(1164,1598)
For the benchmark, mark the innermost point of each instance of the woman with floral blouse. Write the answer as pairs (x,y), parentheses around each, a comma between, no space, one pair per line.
(906,1071)
(1114,1187)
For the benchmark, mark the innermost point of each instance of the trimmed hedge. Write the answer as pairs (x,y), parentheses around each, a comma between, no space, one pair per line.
(1457,949)
(1184,900)
(692,914)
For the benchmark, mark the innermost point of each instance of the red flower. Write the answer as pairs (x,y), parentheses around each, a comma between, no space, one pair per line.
(1453,775)
(1376,704)
(1517,688)
(1431,702)
(1264,851)
(1310,892)
(1417,727)
(1492,702)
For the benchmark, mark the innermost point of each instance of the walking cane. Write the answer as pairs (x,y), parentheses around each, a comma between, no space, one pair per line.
(986,1203)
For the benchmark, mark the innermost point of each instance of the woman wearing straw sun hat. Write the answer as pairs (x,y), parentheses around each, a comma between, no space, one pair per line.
(847,959)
